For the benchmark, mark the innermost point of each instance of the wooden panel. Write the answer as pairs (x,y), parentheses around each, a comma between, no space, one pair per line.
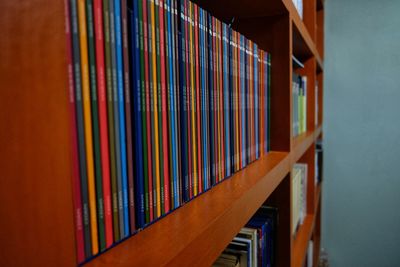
(280,198)
(273,34)
(36,226)
(320,98)
(320,33)
(237,9)
(300,145)
(205,225)
(301,240)
(309,16)
(317,234)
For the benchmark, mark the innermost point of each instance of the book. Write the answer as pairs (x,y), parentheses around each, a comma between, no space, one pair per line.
(76,176)
(88,124)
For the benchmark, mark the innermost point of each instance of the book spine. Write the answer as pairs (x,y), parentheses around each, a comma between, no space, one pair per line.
(76,177)
(128,117)
(226,110)
(221,102)
(136,96)
(95,124)
(174,41)
(148,113)
(143,96)
(169,97)
(110,116)
(102,107)
(256,104)
(198,100)
(164,114)
(211,98)
(116,120)
(87,123)
(155,132)
(121,112)
(183,96)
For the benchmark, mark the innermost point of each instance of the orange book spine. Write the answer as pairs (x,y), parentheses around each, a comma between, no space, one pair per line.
(88,123)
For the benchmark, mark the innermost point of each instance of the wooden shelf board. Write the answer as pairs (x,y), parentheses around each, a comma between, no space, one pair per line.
(301,239)
(300,145)
(205,225)
(317,132)
(226,10)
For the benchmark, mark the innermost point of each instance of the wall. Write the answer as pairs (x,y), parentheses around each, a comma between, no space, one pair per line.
(361,200)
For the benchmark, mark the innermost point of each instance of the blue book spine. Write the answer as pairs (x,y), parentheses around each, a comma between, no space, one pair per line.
(226,100)
(121,108)
(207,99)
(256,104)
(183,97)
(136,96)
(204,99)
(172,105)
(243,100)
(173,15)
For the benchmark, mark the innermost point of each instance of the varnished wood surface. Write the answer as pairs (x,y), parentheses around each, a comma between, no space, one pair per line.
(301,240)
(36,215)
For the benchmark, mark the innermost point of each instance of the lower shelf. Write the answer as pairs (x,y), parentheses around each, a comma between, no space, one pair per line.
(204,225)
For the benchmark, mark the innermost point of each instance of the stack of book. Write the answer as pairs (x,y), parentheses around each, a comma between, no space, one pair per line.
(299,94)
(166,101)
(254,245)
(299,195)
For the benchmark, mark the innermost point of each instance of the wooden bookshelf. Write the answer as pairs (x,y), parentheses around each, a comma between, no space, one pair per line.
(37,225)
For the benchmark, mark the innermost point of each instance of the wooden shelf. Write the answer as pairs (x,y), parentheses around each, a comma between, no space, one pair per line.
(204,225)
(300,145)
(301,239)
(317,195)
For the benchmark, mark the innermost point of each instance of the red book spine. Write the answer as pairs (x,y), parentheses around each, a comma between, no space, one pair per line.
(76,185)
(198,100)
(221,102)
(148,119)
(102,106)
(240,100)
(188,94)
(164,112)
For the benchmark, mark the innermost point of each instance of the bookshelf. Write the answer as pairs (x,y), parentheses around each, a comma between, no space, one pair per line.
(36,191)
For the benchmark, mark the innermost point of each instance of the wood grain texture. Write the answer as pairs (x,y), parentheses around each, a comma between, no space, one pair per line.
(36,226)
(301,240)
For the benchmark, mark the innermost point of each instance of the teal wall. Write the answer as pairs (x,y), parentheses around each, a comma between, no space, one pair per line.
(361,197)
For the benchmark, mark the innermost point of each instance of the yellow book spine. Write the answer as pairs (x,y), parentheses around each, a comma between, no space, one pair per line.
(88,123)
(155,102)
(193,92)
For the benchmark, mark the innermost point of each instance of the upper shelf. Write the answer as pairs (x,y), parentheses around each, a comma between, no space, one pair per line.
(231,10)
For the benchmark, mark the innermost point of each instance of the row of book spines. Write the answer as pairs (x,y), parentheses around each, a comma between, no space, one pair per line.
(116,195)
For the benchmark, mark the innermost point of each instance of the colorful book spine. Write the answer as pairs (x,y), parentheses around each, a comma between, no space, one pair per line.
(164,110)
(136,96)
(88,124)
(128,117)
(95,124)
(103,125)
(149,188)
(110,117)
(76,177)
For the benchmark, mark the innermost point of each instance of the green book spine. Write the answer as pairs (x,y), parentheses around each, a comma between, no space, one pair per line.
(95,124)
(110,115)
(144,108)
